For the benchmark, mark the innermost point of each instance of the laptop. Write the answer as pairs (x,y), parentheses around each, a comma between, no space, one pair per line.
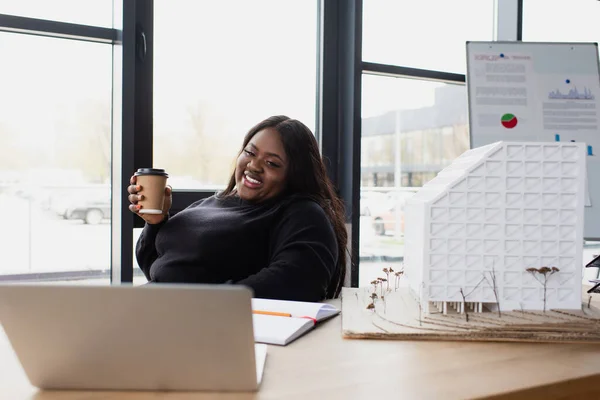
(151,337)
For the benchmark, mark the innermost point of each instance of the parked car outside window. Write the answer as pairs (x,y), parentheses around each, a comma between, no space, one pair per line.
(371,201)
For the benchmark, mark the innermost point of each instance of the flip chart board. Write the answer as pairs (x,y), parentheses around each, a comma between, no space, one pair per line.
(545,92)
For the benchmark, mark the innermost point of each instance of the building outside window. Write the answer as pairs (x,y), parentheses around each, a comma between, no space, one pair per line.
(402,149)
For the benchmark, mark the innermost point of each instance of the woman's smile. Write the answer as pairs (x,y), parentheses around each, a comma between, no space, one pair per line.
(250,181)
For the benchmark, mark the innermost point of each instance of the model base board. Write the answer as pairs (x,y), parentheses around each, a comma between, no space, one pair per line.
(398,316)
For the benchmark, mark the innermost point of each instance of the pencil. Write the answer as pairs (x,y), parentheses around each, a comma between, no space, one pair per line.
(277,314)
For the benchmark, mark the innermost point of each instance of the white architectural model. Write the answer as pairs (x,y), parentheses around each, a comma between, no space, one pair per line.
(474,230)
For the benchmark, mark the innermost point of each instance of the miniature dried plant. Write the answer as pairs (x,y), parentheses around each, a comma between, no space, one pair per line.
(494,286)
(464,304)
(397,281)
(545,273)
(375,283)
(387,272)
(371,305)
(381,280)
(464,298)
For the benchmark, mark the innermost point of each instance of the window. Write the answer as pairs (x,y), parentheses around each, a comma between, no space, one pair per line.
(424,34)
(55,153)
(235,64)
(411,130)
(560,21)
(88,12)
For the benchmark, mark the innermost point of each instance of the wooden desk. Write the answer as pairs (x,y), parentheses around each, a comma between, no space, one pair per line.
(322,365)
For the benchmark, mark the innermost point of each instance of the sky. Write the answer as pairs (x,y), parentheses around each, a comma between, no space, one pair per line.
(561,20)
(428,34)
(41,92)
(243,61)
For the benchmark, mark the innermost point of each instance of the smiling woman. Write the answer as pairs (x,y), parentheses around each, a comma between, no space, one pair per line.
(278,227)
(261,167)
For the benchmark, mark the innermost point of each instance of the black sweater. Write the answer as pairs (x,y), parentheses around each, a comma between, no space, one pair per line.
(283,249)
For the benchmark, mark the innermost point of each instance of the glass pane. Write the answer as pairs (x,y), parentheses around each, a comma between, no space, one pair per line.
(55,152)
(235,63)
(561,21)
(411,130)
(424,34)
(87,12)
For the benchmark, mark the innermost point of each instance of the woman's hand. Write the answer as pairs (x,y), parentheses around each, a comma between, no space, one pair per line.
(134,207)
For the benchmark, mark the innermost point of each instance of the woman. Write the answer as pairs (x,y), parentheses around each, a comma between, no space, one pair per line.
(278,227)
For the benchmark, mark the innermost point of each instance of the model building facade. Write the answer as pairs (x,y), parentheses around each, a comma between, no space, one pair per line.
(474,233)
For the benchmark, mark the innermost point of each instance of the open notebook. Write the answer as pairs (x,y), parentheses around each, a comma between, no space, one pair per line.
(281,330)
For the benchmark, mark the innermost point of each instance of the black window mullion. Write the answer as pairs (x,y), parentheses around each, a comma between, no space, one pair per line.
(519,20)
(135,150)
(328,133)
(341,77)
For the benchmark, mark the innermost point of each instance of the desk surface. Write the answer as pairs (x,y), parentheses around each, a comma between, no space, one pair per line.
(322,365)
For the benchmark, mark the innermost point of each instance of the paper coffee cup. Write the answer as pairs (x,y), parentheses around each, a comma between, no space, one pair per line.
(153,182)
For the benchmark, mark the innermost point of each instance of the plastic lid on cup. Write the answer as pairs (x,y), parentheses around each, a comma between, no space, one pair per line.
(151,171)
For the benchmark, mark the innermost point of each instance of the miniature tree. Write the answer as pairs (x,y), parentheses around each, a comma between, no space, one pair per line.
(546,273)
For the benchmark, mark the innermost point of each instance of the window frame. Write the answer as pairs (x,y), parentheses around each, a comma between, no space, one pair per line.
(20,25)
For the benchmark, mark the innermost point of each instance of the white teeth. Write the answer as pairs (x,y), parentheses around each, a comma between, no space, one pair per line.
(252,180)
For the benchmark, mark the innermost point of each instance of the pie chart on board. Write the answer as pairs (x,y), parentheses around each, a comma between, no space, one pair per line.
(509,121)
